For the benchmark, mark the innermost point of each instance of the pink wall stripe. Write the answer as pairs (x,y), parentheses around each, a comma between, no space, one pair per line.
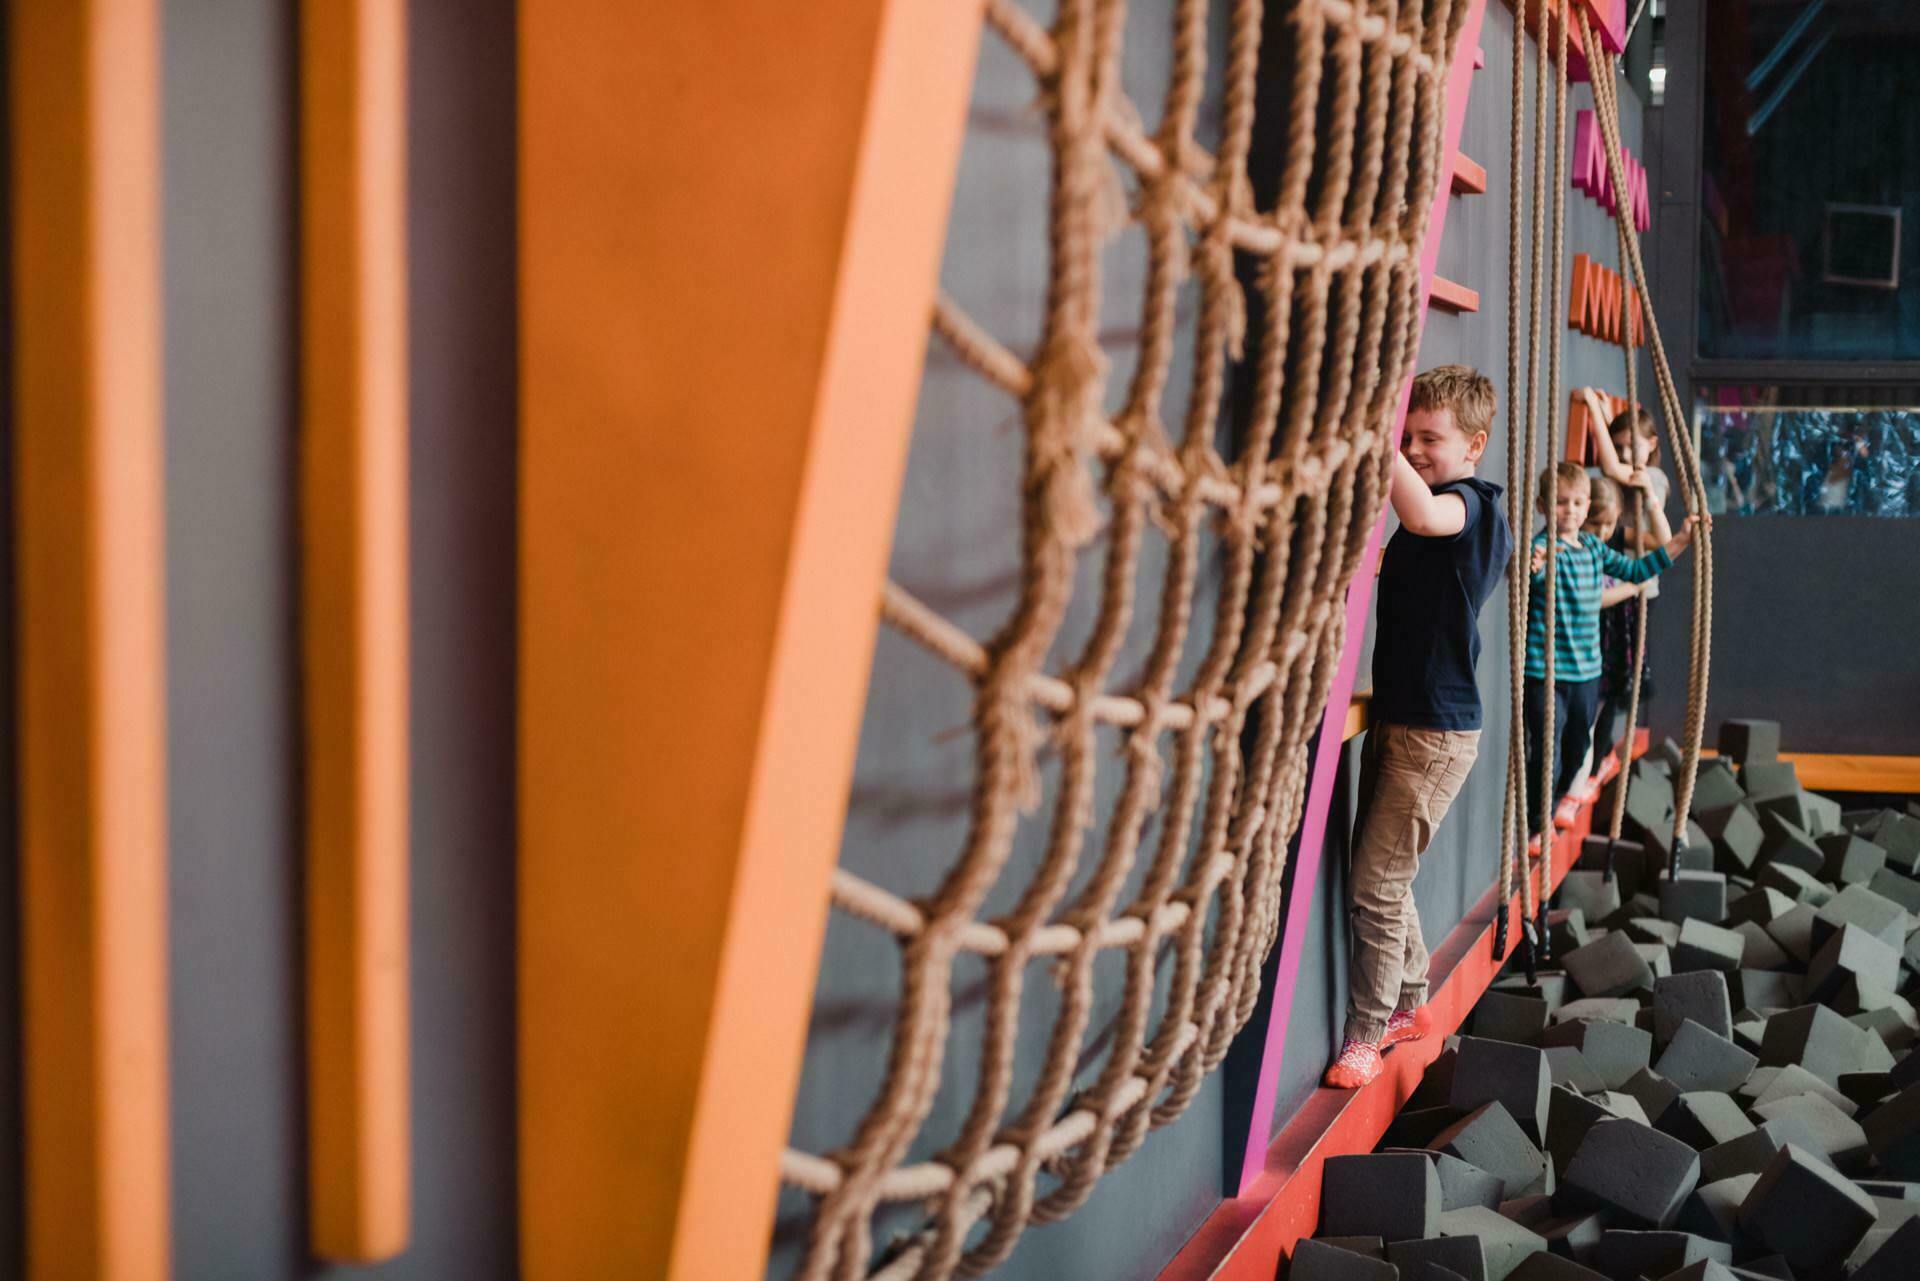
(1326,762)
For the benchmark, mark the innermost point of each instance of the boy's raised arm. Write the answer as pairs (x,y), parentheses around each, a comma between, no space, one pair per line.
(1421,511)
(1610,464)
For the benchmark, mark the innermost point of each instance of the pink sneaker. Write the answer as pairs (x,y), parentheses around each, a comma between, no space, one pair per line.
(1565,813)
(1358,1064)
(1407,1025)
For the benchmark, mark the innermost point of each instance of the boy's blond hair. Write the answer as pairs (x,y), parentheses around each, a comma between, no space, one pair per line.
(1606,496)
(1570,476)
(1464,391)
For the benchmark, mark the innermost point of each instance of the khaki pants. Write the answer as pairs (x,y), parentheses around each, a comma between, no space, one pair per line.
(1408,779)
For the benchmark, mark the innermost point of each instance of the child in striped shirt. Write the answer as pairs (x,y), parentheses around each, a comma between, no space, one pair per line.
(1581,561)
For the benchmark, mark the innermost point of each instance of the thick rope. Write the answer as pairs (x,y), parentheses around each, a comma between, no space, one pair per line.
(1555,342)
(1686,459)
(1513,836)
(1219,765)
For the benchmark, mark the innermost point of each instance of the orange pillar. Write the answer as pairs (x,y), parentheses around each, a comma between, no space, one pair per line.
(87,465)
(730,216)
(353,512)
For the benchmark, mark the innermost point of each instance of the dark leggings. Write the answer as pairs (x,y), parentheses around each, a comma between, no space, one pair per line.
(1574,707)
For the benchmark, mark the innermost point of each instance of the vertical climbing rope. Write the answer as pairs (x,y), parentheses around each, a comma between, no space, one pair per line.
(1686,458)
(1555,340)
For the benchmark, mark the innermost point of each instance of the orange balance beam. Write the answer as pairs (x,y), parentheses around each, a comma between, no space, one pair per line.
(91,675)
(354,620)
(726,284)
(1246,1239)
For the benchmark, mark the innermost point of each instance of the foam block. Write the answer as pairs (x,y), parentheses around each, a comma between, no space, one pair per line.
(1715,787)
(1658,956)
(1769,989)
(1892,1258)
(1817,1039)
(1570,1115)
(1867,1089)
(1605,1009)
(1574,1236)
(1567,929)
(1640,1174)
(1751,1152)
(1852,953)
(1613,1050)
(1703,1119)
(1758,951)
(1706,946)
(1515,1076)
(1784,842)
(1797,883)
(1806,1210)
(1857,905)
(1749,742)
(1437,1257)
(1570,1069)
(1898,887)
(1713,1211)
(1318,1261)
(1697,856)
(1763,779)
(1417,1127)
(1551,1267)
(1700,996)
(1709,1270)
(1372,1247)
(1836,1136)
(1630,1254)
(1607,967)
(1851,860)
(1651,1091)
(1462,1185)
(1509,1016)
(1758,905)
(1490,1138)
(1735,833)
(1793,929)
(1791,806)
(1702,895)
(1591,892)
(1503,1243)
(1793,1079)
(1696,1059)
(1394,1196)
(1893,1132)
(1651,929)
(1823,815)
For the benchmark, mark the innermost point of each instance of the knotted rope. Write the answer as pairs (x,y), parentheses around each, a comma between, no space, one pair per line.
(1326,335)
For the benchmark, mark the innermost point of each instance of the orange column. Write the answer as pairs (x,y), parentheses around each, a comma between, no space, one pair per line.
(87,457)
(353,460)
(730,216)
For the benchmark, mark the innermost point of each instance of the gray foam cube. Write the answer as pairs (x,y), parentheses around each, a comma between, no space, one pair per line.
(1490,1138)
(1700,895)
(1703,1119)
(1510,1016)
(1848,954)
(1696,1059)
(1614,1051)
(1764,779)
(1394,1196)
(1320,1261)
(1607,967)
(1786,843)
(1893,1132)
(1715,787)
(1700,996)
(1749,742)
(1806,1210)
(1836,1136)
(1638,1173)
(1706,946)
(1515,1076)
(1817,1039)
(1735,833)
(1857,905)
(1503,1242)
(1851,860)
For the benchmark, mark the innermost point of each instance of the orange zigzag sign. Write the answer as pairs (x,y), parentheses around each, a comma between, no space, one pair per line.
(1596,305)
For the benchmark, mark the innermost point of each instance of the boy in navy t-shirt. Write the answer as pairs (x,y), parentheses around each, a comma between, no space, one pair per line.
(1439,569)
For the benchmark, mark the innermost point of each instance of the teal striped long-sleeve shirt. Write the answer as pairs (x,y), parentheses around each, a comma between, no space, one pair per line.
(1578,574)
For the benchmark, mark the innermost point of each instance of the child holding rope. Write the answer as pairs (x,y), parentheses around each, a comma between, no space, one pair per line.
(1438,570)
(1581,562)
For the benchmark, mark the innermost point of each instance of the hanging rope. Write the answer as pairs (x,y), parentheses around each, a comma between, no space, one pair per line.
(1686,459)
(1555,339)
(1513,834)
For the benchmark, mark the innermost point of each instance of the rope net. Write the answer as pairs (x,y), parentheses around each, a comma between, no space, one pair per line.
(1311,306)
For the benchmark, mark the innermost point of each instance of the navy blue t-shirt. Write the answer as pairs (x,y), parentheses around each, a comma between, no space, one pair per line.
(1427,630)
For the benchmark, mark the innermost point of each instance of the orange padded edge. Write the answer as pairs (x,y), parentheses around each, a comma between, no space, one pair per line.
(726,283)
(85,101)
(1469,177)
(1451,295)
(353,511)
(1852,772)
